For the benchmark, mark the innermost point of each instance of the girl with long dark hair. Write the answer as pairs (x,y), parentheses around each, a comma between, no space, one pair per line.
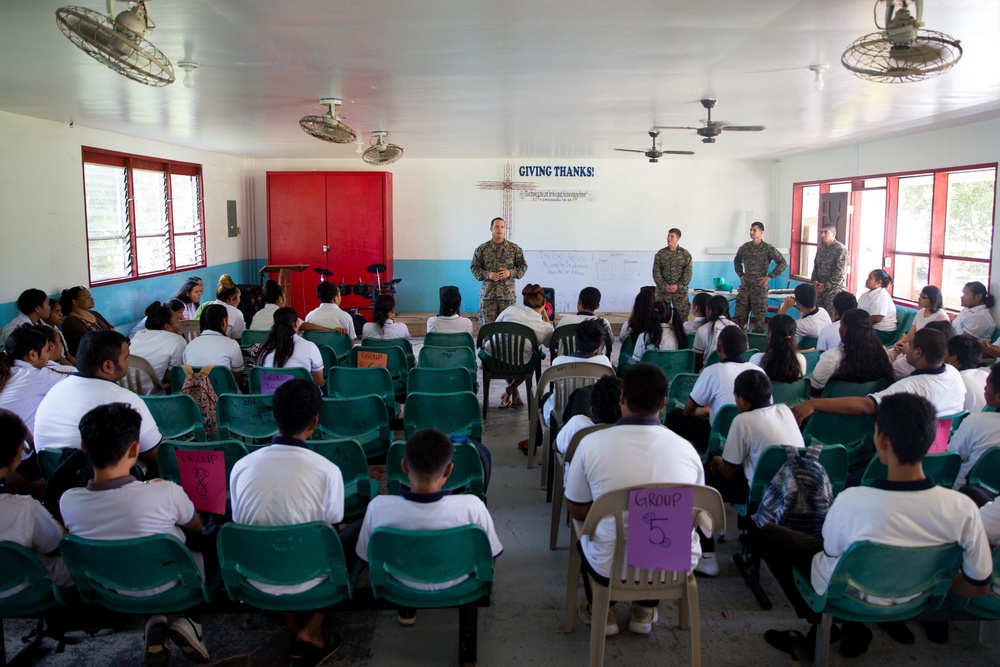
(781,362)
(285,349)
(861,357)
(24,376)
(383,324)
(662,331)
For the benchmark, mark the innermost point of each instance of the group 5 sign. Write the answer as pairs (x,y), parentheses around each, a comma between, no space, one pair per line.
(659,529)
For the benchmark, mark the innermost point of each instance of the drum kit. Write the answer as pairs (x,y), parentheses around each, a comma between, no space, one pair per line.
(369,291)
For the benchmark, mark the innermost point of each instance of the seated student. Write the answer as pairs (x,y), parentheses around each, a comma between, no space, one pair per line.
(160,342)
(716,319)
(116,506)
(102,360)
(55,357)
(698,305)
(781,361)
(427,464)
(812,319)
(533,316)
(829,336)
(587,305)
(933,379)
(907,509)
(964,354)
(900,366)
(712,390)
(588,339)
(759,425)
(33,307)
(930,309)
(860,357)
(285,349)
(54,320)
(285,484)
(328,314)
(662,331)
(449,318)
(213,347)
(637,450)
(990,515)
(383,324)
(975,319)
(605,408)
(79,316)
(274,298)
(228,295)
(174,305)
(23,520)
(980,430)
(25,378)
(190,295)
(877,301)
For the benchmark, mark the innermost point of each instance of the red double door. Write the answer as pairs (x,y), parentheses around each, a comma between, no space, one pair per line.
(339,221)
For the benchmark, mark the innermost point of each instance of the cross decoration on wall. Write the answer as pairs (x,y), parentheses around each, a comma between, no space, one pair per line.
(508,185)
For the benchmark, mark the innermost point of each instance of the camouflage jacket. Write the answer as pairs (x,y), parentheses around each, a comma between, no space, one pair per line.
(490,257)
(830,266)
(672,267)
(753,261)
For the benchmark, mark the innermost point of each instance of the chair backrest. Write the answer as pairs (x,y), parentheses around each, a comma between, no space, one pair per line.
(402,343)
(341,344)
(510,349)
(176,416)
(711,358)
(246,416)
(189,329)
(563,340)
(840,388)
(329,358)
(166,456)
(757,340)
(680,389)
(835,459)
(671,361)
(768,464)
(904,320)
(252,337)
(284,556)
(349,457)
(141,378)
(625,355)
(221,377)
(20,567)
(574,442)
(439,380)
(396,363)
(264,377)
(808,343)
(346,382)
(724,420)
(454,414)
(429,557)
(466,475)
(105,571)
(790,393)
(942,467)
(48,460)
(455,339)
(564,380)
(812,358)
(360,418)
(985,473)
(434,356)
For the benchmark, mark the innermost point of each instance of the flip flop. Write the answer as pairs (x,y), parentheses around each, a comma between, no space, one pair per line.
(515,400)
(505,401)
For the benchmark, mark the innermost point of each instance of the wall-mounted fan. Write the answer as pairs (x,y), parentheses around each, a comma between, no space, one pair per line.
(655,153)
(713,128)
(381,152)
(118,41)
(329,126)
(902,50)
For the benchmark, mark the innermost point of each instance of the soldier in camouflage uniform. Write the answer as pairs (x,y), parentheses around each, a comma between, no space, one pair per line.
(672,274)
(829,268)
(752,261)
(497,263)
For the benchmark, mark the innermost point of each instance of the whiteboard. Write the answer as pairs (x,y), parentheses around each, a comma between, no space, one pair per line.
(619,274)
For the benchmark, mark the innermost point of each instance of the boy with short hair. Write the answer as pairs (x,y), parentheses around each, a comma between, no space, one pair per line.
(427,464)
(605,395)
(329,314)
(829,336)
(812,319)
(116,506)
(588,340)
(587,305)
(981,430)
(964,354)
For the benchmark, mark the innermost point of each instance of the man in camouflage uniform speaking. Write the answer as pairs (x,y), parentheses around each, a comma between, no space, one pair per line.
(829,268)
(672,274)
(752,261)
(497,263)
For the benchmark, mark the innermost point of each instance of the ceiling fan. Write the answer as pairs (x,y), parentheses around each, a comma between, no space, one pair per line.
(329,126)
(381,152)
(655,153)
(713,128)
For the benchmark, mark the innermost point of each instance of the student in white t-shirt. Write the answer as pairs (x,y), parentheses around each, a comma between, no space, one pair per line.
(901,367)
(662,331)
(877,301)
(533,316)
(228,295)
(930,304)
(588,338)
(284,348)
(979,431)
(274,298)
(975,319)
(213,347)
(587,305)
(716,319)
(698,305)
(812,320)
(605,408)
(54,320)
(782,362)
(964,354)
(383,324)
(427,464)
(328,314)
(159,342)
(829,336)
(906,509)
(860,356)
(25,378)
(449,318)
(190,295)
(175,305)
(33,307)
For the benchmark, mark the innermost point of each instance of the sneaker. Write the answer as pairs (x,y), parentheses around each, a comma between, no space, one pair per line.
(187,635)
(708,565)
(611,624)
(406,616)
(642,618)
(157,651)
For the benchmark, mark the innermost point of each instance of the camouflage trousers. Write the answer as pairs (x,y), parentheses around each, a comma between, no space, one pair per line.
(678,299)
(490,308)
(824,299)
(751,299)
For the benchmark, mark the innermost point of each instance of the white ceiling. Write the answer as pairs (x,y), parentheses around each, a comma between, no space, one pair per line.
(467,79)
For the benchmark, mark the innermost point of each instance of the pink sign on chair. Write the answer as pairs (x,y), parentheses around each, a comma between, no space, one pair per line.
(941,437)
(269,382)
(203,478)
(659,529)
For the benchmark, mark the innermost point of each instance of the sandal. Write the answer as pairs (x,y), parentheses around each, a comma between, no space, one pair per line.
(505,400)
(516,401)
(315,655)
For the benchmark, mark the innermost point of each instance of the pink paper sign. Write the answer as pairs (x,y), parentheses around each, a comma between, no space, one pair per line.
(203,478)
(659,529)
(368,359)
(269,382)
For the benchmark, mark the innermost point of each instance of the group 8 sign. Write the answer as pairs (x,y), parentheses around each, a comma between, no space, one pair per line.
(659,529)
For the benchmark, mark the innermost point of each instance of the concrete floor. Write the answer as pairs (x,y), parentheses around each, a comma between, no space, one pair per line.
(524,624)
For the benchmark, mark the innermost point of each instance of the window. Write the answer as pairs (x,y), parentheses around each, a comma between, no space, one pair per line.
(144,216)
(924,228)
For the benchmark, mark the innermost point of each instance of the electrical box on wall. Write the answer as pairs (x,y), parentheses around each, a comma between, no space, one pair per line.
(232,228)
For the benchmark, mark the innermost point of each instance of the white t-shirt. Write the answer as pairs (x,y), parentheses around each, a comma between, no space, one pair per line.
(162,349)
(975,383)
(213,349)
(19,321)
(754,431)
(599,360)
(263,319)
(529,318)
(990,515)
(668,341)
(812,325)
(305,355)
(901,368)
(758,359)
(906,514)
(237,325)
(331,316)
(25,389)
(708,334)
(575,424)
(576,318)
(920,321)
(438,511)
(693,325)
(285,484)
(879,302)
(976,321)
(628,454)
(449,324)
(943,388)
(59,414)
(829,337)
(714,386)
(978,433)
(25,522)
(390,329)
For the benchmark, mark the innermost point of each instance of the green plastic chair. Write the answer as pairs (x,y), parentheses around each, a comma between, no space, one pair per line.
(284,556)
(985,472)
(712,358)
(430,556)
(341,344)
(347,382)
(720,429)
(956,421)
(671,361)
(854,432)
(508,344)
(757,340)
(808,342)
(288,373)
(812,358)
(942,467)
(680,389)
(439,380)
(246,415)
(457,339)
(987,606)
(563,340)
(105,570)
(20,567)
(466,475)
(396,364)
(176,416)
(432,356)
(402,343)
(360,418)
(349,456)
(329,358)
(221,377)
(835,460)
(166,455)
(454,414)
(48,460)
(253,337)
(790,393)
(690,337)
(904,320)
(625,356)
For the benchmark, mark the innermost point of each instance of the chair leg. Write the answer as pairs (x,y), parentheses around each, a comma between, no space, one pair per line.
(468,629)
(748,564)
(694,619)
(545,455)
(549,478)
(821,656)
(557,497)
(572,582)
(598,614)
(486,393)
